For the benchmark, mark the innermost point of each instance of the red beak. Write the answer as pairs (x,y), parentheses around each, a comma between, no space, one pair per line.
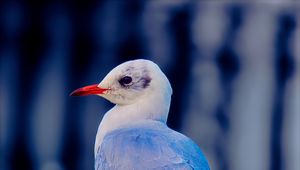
(88,90)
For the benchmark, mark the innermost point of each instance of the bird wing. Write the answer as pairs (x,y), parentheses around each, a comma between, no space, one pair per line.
(149,148)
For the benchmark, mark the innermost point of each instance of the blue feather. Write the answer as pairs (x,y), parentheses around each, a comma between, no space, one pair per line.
(149,146)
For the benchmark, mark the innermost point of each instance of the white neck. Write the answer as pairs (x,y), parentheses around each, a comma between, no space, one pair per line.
(152,107)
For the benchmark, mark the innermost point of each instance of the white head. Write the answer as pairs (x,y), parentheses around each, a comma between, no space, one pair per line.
(131,82)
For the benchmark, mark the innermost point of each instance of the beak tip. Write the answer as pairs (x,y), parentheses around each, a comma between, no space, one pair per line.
(73,94)
(77,93)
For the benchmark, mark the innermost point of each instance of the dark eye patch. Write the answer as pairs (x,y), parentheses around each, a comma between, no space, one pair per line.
(145,81)
(124,81)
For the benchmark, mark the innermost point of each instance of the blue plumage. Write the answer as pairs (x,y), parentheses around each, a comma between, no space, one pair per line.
(149,145)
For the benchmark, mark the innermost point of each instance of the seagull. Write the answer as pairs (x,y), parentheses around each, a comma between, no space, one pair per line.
(133,135)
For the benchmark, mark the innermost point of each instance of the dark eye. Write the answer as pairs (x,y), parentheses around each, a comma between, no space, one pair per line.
(125,80)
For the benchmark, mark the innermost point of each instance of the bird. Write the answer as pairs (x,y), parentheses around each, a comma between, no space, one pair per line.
(133,135)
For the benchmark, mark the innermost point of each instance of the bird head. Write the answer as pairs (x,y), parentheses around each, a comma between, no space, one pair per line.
(130,82)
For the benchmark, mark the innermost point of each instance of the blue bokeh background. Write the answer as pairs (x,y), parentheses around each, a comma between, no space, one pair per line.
(233,66)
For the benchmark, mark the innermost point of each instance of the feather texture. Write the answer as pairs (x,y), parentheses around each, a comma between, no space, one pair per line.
(149,145)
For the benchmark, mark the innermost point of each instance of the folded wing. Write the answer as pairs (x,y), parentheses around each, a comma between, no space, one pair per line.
(149,147)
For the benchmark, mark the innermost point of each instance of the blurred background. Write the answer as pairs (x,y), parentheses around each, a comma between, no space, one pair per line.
(234,68)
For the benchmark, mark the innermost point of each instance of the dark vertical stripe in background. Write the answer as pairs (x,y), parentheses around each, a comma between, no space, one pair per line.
(179,28)
(284,66)
(234,69)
